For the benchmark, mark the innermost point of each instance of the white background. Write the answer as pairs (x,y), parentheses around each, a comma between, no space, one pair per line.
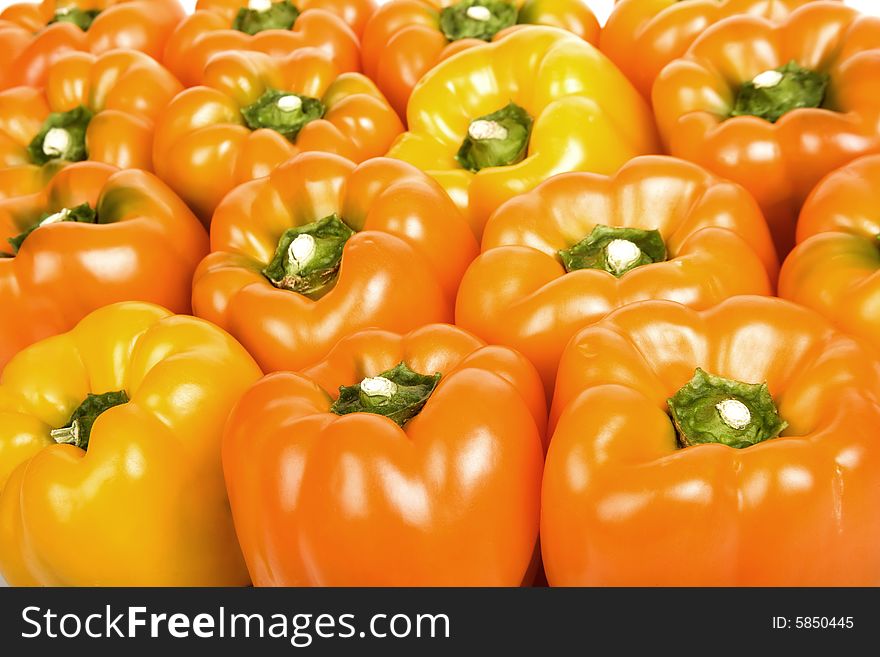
(601,8)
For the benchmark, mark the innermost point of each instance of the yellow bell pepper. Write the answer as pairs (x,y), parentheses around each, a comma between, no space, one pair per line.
(498,119)
(110,464)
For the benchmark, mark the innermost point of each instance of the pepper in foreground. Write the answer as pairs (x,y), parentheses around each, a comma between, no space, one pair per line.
(398,460)
(110,442)
(736,446)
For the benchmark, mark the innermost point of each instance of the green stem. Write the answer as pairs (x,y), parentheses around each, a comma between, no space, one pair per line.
(307,258)
(615,250)
(282,111)
(62,137)
(773,93)
(496,140)
(82,18)
(261,15)
(476,19)
(398,394)
(79,428)
(83,214)
(712,409)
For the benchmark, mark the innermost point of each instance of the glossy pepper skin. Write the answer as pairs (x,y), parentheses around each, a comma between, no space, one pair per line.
(399,270)
(519,292)
(586,115)
(622,504)
(643,36)
(204,147)
(142,25)
(145,247)
(124,90)
(835,268)
(328,25)
(451,498)
(403,40)
(145,504)
(779,163)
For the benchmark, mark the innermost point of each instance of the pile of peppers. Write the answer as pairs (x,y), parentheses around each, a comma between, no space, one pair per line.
(439,293)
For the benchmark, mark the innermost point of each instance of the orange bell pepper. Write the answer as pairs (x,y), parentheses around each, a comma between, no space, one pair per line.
(322,248)
(95,235)
(835,268)
(499,118)
(94,26)
(424,469)
(776,106)
(98,108)
(580,245)
(273,28)
(404,39)
(110,471)
(766,474)
(643,36)
(229,131)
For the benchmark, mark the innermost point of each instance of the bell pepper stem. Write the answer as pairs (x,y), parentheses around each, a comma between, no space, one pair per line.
(81,214)
(496,140)
(62,137)
(477,19)
(399,394)
(615,250)
(773,93)
(66,435)
(284,112)
(712,409)
(78,430)
(82,18)
(262,15)
(307,258)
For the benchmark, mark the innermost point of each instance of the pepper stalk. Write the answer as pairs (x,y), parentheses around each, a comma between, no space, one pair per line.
(62,137)
(615,250)
(398,394)
(308,258)
(497,139)
(773,93)
(262,15)
(82,18)
(477,19)
(712,409)
(82,213)
(284,112)
(78,429)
